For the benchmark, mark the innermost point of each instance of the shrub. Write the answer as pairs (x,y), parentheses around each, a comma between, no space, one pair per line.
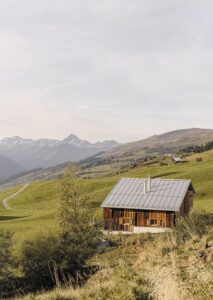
(199,159)
(6,259)
(38,257)
(7,263)
(163,163)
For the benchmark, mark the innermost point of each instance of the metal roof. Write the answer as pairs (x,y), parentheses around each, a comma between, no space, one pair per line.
(177,159)
(164,194)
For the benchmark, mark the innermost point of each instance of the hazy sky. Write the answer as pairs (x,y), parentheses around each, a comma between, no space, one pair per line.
(105,69)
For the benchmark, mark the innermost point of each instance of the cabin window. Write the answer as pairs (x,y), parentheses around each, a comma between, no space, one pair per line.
(153,222)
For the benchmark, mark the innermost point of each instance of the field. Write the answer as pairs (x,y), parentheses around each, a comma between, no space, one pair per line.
(127,269)
(36,207)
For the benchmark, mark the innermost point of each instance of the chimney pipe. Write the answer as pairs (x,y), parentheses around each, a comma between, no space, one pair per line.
(149,183)
(145,186)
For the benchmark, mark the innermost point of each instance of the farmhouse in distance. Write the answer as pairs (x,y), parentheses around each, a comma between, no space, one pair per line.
(140,204)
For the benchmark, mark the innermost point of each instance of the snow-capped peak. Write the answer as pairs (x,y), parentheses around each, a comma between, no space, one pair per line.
(73,140)
(15,140)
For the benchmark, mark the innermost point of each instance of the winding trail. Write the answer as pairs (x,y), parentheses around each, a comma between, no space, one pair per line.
(5,201)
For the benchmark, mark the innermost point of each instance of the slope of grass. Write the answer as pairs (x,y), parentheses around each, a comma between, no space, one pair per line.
(146,267)
(134,267)
(36,207)
(7,193)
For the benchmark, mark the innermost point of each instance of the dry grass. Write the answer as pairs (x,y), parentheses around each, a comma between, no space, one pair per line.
(146,268)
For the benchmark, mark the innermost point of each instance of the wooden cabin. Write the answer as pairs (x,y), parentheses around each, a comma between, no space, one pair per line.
(135,203)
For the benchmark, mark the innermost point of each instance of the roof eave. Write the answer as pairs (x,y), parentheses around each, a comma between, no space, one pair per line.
(141,208)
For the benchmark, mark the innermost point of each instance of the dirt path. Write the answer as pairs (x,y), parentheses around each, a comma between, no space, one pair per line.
(5,201)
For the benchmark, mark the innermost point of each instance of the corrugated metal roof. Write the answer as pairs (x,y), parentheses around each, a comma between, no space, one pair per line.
(165,194)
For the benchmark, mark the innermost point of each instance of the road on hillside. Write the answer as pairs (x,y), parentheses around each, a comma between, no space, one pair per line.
(5,201)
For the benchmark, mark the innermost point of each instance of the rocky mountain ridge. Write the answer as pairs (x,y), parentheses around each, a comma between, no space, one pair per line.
(44,153)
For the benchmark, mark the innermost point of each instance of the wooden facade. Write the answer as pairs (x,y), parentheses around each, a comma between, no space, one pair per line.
(186,205)
(127,219)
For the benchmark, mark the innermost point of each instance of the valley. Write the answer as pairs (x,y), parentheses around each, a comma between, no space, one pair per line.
(127,269)
(36,207)
(128,264)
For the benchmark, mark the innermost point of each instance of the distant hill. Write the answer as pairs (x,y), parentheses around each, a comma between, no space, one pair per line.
(159,144)
(8,167)
(46,153)
(51,159)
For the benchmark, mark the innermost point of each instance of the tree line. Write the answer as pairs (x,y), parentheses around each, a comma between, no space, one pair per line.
(199,148)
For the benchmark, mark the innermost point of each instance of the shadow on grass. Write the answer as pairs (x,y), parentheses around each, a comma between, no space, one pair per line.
(7,218)
(18,286)
(166,174)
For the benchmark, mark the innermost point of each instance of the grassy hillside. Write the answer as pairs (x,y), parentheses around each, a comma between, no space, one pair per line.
(146,267)
(133,267)
(6,193)
(168,141)
(36,207)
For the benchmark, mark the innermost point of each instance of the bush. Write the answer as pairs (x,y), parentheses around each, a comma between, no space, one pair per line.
(38,258)
(51,259)
(199,159)
(163,163)
(6,259)
(7,263)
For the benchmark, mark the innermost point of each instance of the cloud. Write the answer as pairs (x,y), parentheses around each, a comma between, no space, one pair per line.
(105,69)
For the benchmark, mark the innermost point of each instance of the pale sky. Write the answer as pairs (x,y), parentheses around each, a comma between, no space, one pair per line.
(105,69)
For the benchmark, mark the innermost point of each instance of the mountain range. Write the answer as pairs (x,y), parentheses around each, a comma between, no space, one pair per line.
(49,156)
(27,154)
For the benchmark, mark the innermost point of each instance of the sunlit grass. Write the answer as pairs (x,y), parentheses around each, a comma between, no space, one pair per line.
(36,207)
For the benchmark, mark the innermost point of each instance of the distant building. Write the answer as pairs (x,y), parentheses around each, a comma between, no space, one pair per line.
(136,203)
(178,160)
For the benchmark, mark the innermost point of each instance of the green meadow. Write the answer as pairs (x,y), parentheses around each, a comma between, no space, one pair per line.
(36,207)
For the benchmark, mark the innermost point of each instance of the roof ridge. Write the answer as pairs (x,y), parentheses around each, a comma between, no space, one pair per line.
(159,178)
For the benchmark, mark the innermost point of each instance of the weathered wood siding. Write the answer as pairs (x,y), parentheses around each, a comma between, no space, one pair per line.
(124,219)
(186,205)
